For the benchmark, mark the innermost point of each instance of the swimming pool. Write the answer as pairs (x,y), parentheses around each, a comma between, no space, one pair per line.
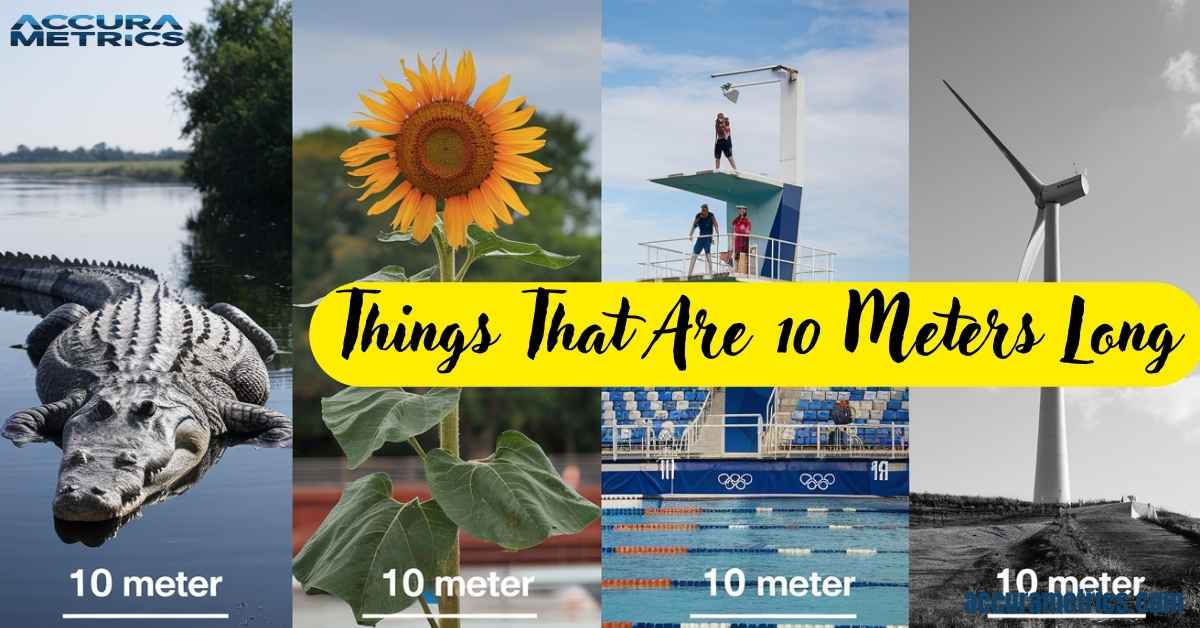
(657,553)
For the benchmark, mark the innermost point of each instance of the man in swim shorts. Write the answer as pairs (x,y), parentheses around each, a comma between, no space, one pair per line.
(706,222)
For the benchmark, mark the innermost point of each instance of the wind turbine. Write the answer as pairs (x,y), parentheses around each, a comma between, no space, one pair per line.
(1052,482)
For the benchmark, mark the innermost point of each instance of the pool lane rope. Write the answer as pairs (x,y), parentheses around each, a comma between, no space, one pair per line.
(786,551)
(693,527)
(697,510)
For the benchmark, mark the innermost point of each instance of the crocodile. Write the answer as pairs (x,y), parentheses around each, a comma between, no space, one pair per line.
(134,382)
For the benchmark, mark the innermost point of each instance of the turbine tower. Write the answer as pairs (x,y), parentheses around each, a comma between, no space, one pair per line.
(1052,482)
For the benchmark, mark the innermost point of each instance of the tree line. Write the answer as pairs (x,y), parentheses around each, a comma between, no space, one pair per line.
(98,152)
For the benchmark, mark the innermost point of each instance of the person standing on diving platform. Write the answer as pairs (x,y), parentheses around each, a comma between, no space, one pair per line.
(706,222)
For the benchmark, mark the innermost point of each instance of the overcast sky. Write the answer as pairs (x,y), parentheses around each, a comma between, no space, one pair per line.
(659,104)
(79,96)
(552,50)
(1112,87)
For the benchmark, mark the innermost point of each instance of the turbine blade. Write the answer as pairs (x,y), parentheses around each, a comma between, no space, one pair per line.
(1031,181)
(1036,240)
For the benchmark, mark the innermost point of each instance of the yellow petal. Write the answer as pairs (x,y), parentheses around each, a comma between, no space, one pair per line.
(514,173)
(464,77)
(479,210)
(418,86)
(379,126)
(504,191)
(444,81)
(385,110)
(495,205)
(426,216)
(408,210)
(379,183)
(370,169)
(524,163)
(393,197)
(504,109)
(526,134)
(400,112)
(405,97)
(456,218)
(513,120)
(365,150)
(492,95)
(519,148)
(429,80)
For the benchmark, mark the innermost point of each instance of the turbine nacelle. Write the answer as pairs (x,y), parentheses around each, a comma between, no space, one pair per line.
(1065,191)
(1057,194)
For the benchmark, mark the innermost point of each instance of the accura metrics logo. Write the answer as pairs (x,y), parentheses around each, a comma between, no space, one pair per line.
(88,30)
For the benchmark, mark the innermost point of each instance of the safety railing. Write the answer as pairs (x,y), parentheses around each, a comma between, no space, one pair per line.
(745,257)
(702,438)
(887,440)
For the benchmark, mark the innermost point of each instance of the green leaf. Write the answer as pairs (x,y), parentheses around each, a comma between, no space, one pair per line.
(396,236)
(363,419)
(387,273)
(366,534)
(513,498)
(488,244)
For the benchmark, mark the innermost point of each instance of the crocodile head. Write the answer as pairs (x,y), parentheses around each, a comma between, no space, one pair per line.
(124,446)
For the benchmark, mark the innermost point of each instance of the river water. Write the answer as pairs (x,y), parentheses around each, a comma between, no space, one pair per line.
(235,521)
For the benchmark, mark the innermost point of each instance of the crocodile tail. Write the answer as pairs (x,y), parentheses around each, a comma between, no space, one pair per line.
(87,283)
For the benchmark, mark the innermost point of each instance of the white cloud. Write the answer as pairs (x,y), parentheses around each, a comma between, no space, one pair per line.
(1175,8)
(856,187)
(1193,121)
(860,6)
(1181,75)
(1177,405)
(619,55)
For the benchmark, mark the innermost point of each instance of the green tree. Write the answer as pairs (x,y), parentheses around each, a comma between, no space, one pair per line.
(239,106)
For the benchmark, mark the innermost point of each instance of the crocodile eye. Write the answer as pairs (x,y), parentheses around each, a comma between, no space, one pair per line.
(104,409)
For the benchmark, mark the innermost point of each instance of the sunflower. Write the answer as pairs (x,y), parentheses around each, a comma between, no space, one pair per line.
(437,147)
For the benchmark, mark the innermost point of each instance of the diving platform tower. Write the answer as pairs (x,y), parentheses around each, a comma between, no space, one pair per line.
(773,206)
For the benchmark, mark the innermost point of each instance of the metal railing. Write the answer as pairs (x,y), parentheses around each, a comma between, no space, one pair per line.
(775,439)
(765,258)
(821,439)
(644,441)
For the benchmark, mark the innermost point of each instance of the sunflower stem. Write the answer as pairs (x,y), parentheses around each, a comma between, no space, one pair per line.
(425,607)
(448,438)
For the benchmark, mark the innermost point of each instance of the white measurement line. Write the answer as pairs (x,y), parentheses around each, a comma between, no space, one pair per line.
(1066,616)
(145,615)
(773,616)
(450,616)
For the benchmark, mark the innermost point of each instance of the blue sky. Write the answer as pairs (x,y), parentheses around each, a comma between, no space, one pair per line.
(551,49)
(658,103)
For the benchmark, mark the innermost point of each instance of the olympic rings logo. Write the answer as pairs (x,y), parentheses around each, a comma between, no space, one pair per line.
(735,481)
(817,481)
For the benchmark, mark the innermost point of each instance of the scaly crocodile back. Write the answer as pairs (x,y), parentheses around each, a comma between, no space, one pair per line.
(90,284)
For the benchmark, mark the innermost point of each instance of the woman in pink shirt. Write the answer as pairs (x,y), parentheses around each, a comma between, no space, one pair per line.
(741,237)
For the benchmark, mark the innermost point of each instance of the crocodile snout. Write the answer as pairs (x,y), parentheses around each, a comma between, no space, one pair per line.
(77,502)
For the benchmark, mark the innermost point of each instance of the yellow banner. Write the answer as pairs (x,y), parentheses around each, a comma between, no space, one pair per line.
(756,334)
